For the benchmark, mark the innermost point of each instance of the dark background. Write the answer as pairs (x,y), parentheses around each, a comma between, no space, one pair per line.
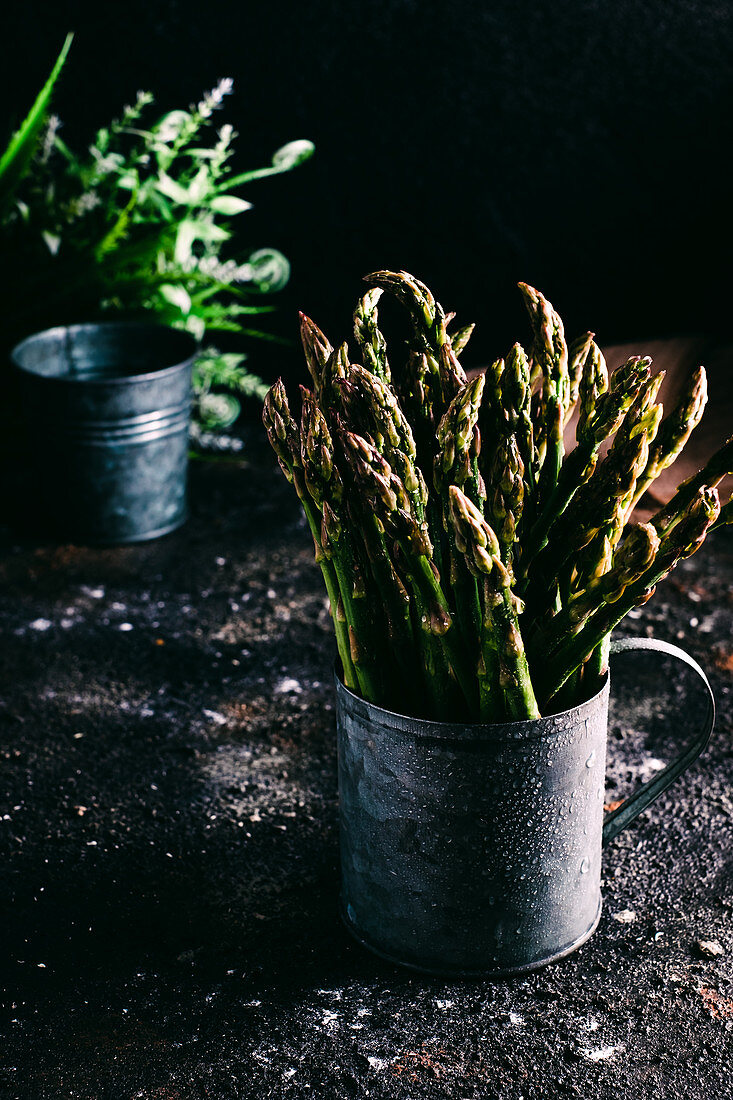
(582,146)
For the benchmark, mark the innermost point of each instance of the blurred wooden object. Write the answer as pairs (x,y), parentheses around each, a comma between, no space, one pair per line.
(678,357)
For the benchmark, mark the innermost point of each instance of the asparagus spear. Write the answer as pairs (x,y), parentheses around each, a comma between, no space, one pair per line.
(675,430)
(711,474)
(681,542)
(507,500)
(502,647)
(391,503)
(592,384)
(578,353)
(430,328)
(369,337)
(550,353)
(460,338)
(601,414)
(456,462)
(325,486)
(516,396)
(317,349)
(599,506)
(284,437)
(459,441)
(631,560)
(326,364)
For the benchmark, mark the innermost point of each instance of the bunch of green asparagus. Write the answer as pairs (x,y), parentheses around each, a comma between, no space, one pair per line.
(475,570)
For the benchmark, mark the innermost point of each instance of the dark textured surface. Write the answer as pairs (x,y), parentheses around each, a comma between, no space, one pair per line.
(580,146)
(169,847)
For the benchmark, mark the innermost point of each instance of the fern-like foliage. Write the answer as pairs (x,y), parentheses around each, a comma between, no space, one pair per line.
(139,223)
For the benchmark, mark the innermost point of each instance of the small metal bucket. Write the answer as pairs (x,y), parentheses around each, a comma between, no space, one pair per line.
(475,850)
(107,409)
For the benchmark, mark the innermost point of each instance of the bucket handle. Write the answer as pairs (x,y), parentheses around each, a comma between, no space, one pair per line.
(619,818)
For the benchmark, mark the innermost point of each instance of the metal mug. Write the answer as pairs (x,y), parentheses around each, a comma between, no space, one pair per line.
(475,850)
(107,409)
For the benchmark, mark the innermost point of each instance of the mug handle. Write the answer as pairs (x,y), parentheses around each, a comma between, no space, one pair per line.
(619,818)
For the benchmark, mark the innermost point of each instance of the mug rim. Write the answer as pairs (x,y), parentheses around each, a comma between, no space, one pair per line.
(114,379)
(524,729)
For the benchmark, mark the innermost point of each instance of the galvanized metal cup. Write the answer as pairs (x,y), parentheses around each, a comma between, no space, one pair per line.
(475,850)
(107,408)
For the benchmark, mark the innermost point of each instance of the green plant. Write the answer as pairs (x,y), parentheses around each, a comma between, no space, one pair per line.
(474,569)
(22,146)
(139,223)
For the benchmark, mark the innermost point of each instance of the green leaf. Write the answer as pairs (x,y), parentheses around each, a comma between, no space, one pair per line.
(229,204)
(17,156)
(207,231)
(172,190)
(185,237)
(270,270)
(287,157)
(199,187)
(167,128)
(291,155)
(177,296)
(217,410)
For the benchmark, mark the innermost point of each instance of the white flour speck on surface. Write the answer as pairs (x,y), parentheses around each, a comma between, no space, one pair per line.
(377,1063)
(287,686)
(625,916)
(444,1004)
(330,1019)
(93,593)
(41,624)
(600,1054)
(516,1019)
(215,717)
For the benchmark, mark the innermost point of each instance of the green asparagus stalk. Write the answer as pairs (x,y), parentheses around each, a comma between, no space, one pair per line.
(369,337)
(631,560)
(436,588)
(507,500)
(516,397)
(550,353)
(317,349)
(602,413)
(681,542)
(456,463)
(578,353)
(391,504)
(284,436)
(598,506)
(675,430)
(430,329)
(711,474)
(460,338)
(459,442)
(502,647)
(325,486)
